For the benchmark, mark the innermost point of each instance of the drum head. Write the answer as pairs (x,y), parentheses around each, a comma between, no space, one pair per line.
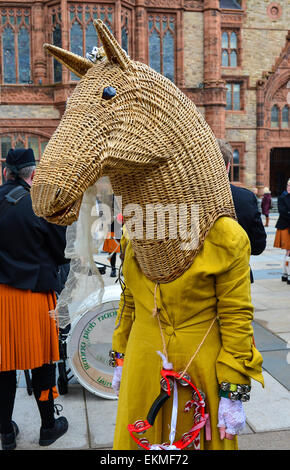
(89,343)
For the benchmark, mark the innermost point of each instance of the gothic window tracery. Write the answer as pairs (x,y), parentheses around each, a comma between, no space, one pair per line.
(285,117)
(280,116)
(83,36)
(125,28)
(57,41)
(15,46)
(229,48)
(162,38)
(275,116)
(236,173)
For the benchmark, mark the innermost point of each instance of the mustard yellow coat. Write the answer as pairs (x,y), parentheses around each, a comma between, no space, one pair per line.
(217,283)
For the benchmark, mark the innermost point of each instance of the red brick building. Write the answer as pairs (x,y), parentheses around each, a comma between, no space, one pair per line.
(231,57)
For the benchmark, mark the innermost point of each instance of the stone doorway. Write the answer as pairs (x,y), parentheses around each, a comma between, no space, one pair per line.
(279,169)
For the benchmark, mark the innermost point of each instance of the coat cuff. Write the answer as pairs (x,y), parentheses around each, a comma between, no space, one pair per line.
(233,370)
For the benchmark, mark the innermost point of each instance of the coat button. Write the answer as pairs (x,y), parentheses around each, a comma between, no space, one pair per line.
(169,330)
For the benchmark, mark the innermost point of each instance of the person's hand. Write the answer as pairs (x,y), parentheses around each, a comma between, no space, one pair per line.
(231,418)
(117,379)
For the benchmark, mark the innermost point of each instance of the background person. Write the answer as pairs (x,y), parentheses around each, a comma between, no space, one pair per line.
(266,204)
(31,250)
(246,206)
(112,242)
(282,237)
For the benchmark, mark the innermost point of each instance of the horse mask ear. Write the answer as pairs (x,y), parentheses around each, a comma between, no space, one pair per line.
(112,48)
(73,62)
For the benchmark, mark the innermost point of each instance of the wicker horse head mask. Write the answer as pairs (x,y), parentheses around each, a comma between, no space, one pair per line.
(128,122)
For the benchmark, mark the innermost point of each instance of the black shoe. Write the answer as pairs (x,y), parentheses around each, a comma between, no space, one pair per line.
(8,441)
(113,273)
(284,278)
(288,280)
(48,436)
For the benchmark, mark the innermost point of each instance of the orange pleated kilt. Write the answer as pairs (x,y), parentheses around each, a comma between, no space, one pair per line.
(282,239)
(110,244)
(28,334)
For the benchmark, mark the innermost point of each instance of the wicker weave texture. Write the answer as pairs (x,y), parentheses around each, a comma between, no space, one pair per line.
(150,140)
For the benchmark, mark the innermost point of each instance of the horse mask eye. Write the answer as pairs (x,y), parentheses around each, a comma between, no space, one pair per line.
(108,93)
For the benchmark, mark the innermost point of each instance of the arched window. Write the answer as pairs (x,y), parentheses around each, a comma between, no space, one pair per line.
(234,41)
(15,32)
(125,25)
(285,116)
(225,40)
(162,36)
(83,35)
(225,59)
(229,48)
(233,59)
(275,116)
(56,38)
(236,166)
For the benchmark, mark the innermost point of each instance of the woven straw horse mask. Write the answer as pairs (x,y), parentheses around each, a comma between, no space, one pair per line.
(149,139)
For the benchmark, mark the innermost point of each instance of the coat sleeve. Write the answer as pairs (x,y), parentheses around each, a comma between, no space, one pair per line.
(256,230)
(238,360)
(283,209)
(125,314)
(55,241)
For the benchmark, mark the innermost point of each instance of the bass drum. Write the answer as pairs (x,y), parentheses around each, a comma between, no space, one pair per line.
(89,343)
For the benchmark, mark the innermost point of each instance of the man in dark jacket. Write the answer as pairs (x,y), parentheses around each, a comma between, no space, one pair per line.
(246,207)
(31,249)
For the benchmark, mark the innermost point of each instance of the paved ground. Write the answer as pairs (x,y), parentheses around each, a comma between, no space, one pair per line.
(92,419)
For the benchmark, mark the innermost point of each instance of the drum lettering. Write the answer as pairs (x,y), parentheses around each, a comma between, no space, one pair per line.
(104,382)
(83,355)
(107,315)
(88,330)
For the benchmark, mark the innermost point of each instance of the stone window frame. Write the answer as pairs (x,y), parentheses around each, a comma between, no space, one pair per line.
(127,27)
(79,16)
(280,107)
(162,13)
(241,148)
(54,21)
(229,30)
(16,12)
(244,82)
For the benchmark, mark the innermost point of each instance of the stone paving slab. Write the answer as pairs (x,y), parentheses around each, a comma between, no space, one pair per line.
(277,364)
(267,341)
(268,409)
(275,320)
(101,420)
(27,418)
(278,440)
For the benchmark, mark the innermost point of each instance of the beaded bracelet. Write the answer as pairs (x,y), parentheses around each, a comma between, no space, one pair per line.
(235,391)
(116,358)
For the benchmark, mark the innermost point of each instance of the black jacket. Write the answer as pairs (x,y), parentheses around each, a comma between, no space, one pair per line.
(284,212)
(249,218)
(31,249)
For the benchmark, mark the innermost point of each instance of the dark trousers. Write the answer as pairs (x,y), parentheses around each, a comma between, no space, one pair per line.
(43,378)
(113,260)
